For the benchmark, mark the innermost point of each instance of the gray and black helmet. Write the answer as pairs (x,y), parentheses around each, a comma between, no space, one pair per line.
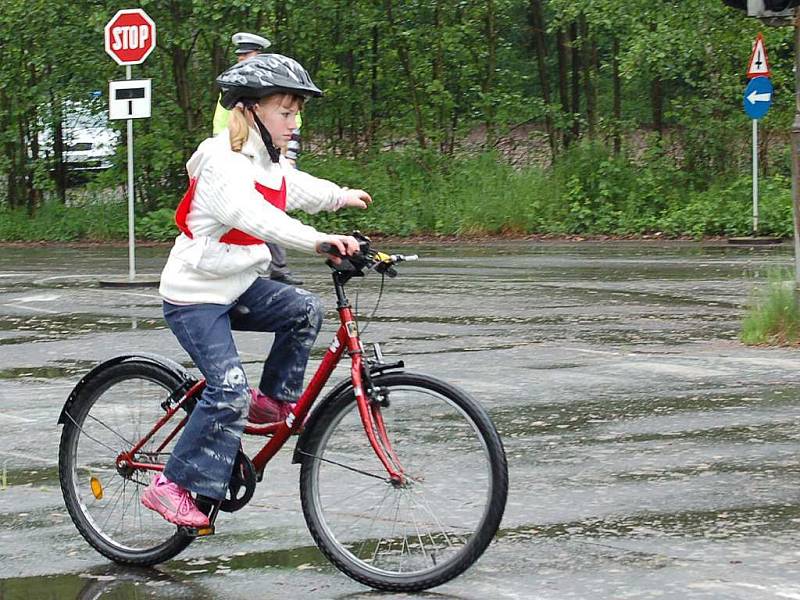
(264,75)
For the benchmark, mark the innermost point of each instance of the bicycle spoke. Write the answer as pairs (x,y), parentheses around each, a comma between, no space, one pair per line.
(433,525)
(119,435)
(374,519)
(112,409)
(344,466)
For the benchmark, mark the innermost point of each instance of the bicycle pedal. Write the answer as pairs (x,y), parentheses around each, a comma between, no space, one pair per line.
(198,531)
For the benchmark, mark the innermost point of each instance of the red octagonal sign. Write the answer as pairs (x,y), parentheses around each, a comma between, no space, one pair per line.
(130,36)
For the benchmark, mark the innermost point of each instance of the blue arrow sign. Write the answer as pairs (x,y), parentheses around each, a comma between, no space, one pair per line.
(758,97)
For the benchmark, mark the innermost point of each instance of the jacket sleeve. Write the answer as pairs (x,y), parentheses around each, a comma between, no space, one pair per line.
(308,193)
(232,199)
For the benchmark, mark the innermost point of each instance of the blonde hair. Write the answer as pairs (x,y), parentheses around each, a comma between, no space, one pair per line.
(238,127)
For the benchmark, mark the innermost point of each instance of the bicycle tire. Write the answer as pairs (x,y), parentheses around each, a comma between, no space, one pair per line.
(444,439)
(118,403)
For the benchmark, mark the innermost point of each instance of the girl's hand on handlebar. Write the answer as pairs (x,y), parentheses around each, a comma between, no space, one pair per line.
(345,244)
(355,199)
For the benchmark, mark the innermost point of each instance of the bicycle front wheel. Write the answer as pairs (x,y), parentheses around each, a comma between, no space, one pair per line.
(114,410)
(422,533)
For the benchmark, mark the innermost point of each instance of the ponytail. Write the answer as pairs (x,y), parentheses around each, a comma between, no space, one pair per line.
(237,128)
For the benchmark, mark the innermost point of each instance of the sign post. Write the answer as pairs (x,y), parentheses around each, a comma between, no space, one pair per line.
(130,37)
(757,100)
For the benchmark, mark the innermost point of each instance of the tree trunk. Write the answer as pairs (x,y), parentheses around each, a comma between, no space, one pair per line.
(280,35)
(10,152)
(405,62)
(575,103)
(563,68)
(617,96)
(540,43)
(437,67)
(372,127)
(59,168)
(487,85)
(219,62)
(589,52)
(657,99)
(30,133)
(180,73)
(354,116)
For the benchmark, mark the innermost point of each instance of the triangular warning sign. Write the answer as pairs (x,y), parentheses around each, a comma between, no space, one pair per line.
(758,65)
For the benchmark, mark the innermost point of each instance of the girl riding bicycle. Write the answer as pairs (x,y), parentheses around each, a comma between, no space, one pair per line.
(239,190)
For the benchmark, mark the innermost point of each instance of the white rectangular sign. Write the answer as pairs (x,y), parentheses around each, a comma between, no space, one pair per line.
(129,99)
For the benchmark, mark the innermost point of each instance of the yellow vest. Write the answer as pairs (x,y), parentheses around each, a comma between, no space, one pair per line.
(221,116)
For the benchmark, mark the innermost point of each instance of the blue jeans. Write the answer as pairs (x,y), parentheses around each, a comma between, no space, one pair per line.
(203,457)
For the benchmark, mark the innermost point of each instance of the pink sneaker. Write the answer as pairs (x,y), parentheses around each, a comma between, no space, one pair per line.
(264,409)
(173,503)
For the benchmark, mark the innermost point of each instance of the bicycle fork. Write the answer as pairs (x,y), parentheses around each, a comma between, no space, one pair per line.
(370,400)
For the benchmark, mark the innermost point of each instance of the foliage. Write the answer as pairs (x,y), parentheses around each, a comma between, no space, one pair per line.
(57,222)
(773,317)
(590,191)
(643,115)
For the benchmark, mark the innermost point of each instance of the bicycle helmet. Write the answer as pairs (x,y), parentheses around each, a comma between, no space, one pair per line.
(264,75)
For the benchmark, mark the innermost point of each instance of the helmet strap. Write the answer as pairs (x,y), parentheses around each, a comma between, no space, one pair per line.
(274,153)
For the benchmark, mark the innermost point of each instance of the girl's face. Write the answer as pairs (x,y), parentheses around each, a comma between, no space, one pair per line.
(278,113)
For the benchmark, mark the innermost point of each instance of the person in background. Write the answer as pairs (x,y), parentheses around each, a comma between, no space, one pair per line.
(292,152)
(247,46)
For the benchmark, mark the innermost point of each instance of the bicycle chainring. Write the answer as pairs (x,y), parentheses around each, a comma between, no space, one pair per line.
(242,485)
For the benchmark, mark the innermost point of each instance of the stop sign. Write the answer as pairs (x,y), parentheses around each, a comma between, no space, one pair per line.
(130,36)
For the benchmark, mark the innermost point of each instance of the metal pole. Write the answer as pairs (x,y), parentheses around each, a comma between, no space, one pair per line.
(131,235)
(755,177)
(796,149)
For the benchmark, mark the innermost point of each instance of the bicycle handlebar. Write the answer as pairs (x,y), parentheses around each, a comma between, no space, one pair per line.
(365,258)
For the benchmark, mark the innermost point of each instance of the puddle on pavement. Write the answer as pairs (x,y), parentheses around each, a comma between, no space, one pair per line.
(77,323)
(755,469)
(751,521)
(525,421)
(34,477)
(115,583)
(178,577)
(58,371)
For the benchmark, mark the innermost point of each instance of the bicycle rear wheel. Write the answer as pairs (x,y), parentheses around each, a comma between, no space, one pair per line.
(113,411)
(418,535)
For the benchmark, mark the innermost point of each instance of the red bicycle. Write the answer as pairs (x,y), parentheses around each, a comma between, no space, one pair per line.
(403,477)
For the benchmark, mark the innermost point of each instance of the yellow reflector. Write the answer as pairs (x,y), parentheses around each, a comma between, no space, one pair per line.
(97,488)
(205,531)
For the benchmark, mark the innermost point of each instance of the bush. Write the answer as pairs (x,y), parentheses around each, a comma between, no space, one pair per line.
(158,225)
(55,222)
(588,191)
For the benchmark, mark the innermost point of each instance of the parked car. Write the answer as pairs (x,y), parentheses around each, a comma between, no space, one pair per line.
(89,142)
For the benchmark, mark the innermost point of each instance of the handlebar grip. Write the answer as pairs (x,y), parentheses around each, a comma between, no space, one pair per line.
(329,248)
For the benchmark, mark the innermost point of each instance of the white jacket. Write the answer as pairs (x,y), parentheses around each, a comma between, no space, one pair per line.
(201,269)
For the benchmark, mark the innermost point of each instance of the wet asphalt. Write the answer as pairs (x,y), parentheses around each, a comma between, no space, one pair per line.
(651,455)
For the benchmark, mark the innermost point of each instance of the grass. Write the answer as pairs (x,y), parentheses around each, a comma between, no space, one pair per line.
(773,317)
(587,192)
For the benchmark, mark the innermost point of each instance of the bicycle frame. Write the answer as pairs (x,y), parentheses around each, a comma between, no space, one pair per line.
(346,338)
